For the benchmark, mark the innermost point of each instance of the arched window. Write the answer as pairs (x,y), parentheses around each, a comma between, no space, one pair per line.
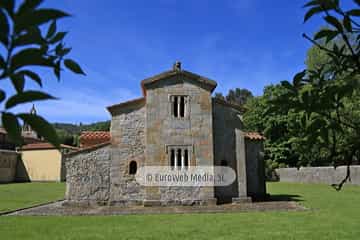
(132,167)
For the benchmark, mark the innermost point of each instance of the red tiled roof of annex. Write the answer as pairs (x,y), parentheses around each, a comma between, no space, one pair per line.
(91,138)
(254,136)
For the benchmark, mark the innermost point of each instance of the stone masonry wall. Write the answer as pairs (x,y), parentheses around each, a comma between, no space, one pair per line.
(87,176)
(8,162)
(225,121)
(128,144)
(326,175)
(164,129)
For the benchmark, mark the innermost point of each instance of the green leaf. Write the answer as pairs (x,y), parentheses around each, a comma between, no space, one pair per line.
(42,127)
(2,95)
(28,5)
(298,78)
(354,12)
(312,3)
(287,85)
(60,51)
(57,70)
(26,97)
(30,57)
(329,34)
(334,22)
(8,5)
(31,75)
(2,62)
(52,30)
(37,18)
(32,36)
(12,127)
(58,37)
(312,12)
(18,81)
(4,28)
(73,66)
(347,23)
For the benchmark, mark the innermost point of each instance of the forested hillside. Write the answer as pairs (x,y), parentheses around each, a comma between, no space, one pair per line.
(69,133)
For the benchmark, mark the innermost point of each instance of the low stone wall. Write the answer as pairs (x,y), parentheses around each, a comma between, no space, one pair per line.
(87,176)
(8,162)
(326,175)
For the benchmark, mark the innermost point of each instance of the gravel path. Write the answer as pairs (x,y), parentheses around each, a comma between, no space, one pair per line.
(57,209)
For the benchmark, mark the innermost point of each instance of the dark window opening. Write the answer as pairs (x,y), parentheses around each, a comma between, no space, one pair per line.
(132,167)
(224,163)
(179,157)
(186,157)
(172,158)
(182,106)
(179,106)
(175,106)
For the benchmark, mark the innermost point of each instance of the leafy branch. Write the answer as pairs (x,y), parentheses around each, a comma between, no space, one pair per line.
(26,45)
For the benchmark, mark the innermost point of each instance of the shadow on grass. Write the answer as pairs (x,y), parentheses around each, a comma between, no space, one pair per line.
(284,197)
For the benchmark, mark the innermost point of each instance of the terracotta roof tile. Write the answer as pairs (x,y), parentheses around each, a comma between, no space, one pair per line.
(89,138)
(254,136)
(95,135)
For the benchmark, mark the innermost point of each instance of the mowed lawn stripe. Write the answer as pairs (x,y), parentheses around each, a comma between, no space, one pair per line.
(332,215)
(22,195)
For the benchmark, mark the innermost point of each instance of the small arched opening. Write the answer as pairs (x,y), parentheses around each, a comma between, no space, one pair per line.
(132,168)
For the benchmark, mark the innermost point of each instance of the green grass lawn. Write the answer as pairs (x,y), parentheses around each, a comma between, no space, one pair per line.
(333,215)
(20,195)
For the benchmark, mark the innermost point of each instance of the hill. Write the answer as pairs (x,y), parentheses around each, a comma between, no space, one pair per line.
(69,133)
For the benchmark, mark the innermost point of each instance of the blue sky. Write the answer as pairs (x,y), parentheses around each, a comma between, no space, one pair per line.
(238,43)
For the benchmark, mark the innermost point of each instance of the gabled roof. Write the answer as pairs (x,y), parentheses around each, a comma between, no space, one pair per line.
(203,80)
(125,104)
(159,77)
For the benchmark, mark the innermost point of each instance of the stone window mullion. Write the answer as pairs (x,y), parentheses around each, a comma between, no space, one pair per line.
(178,106)
(175,158)
(179,157)
(182,159)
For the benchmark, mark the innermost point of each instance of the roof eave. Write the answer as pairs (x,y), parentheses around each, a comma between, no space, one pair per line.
(167,74)
(125,104)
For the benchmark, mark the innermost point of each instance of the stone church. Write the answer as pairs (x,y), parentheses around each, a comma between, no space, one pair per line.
(176,123)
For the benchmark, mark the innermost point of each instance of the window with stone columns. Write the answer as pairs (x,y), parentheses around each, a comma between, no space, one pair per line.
(179,106)
(179,157)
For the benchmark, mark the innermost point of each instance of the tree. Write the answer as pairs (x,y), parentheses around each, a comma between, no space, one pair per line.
(324,93)
(26,44)
(238,96)
(274,125)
